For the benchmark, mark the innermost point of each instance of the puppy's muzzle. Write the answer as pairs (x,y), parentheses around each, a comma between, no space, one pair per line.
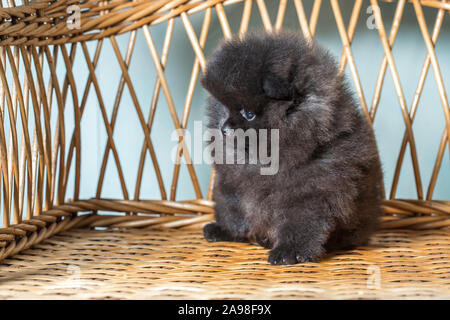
(227,131)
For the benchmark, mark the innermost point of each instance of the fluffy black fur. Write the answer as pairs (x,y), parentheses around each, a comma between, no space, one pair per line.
(327,193)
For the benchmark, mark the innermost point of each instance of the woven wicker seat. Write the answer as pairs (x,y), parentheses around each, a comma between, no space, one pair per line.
(174,264)
(55,242)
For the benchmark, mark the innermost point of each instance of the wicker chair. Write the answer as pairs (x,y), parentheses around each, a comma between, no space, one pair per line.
(56,244)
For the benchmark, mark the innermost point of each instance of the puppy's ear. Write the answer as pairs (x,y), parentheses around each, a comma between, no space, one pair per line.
(277,88)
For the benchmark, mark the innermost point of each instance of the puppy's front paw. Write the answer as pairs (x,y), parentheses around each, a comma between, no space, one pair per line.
(213,232)
(292,255)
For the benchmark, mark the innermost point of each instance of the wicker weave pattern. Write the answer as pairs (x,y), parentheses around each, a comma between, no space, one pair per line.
(37,158)
(38,23)
(167,264)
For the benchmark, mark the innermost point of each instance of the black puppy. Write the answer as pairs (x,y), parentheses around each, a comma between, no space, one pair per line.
(327,192)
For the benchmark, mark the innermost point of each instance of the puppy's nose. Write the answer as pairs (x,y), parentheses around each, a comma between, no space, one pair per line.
(226,130)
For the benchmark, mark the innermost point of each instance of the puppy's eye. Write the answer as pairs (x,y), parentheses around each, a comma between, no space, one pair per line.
(248,115)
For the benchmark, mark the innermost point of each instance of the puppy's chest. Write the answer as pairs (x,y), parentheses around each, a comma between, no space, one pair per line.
(255,207)
(253,191)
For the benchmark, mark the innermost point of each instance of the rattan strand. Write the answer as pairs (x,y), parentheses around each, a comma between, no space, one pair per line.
(161,264)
